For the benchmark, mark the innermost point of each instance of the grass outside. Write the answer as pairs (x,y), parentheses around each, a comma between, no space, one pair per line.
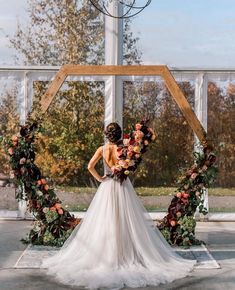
(149,191)
(152,208)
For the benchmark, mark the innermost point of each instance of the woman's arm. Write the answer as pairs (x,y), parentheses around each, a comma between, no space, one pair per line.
(92,163)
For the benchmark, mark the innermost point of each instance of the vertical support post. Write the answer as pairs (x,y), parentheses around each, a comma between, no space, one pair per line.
(201,88)
(22,204)
(113,56)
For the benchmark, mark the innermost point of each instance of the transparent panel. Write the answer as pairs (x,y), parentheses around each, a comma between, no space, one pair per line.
(9,126)
(155,179)
(221,131)
(73,130)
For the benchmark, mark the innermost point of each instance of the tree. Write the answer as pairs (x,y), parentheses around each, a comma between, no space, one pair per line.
(59,32)
(174,145)
(221,120)
(9,123)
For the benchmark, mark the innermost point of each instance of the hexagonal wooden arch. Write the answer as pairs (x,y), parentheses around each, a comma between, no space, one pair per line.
(140,70)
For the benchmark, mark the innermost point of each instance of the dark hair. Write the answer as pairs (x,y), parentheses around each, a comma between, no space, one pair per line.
(113,132)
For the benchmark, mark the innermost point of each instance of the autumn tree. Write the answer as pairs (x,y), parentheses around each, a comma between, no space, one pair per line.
(9,122)
(61,32)
(174,145)
(221,120)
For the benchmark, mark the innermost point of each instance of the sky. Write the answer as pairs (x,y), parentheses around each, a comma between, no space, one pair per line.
(178,33)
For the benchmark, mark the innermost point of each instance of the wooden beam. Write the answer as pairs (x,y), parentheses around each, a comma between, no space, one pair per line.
(184,106)
(52,90)
(135,70)
(114,70)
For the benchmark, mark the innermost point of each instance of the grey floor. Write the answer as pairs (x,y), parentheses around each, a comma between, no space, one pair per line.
(219,236)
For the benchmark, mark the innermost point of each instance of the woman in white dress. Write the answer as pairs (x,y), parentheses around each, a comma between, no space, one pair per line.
(116,244)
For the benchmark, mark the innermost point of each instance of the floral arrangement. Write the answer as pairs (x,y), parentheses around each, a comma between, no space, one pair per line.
(53,223)
(178,226)
(131,149)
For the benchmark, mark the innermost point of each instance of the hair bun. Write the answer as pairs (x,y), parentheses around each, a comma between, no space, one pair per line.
(113,132)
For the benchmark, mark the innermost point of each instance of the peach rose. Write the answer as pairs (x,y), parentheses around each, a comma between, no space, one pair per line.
(15,143)
(130,154)
(39,182)
(137,155)
(137,149)
(137,139)
(185,195)
(52,208)
(11,151)
(139,134)
(178,214)
(123,163)
(14,138)
(179,194)
(173,223)
(46,187)
(43,181)
(60,211)
(153,137)
(138,126)
(57,205)
(146,142)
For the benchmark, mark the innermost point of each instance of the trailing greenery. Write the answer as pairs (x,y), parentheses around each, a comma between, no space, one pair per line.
(178,226)
(53,223)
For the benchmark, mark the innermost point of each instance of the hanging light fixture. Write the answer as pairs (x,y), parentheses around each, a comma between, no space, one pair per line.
(130,8)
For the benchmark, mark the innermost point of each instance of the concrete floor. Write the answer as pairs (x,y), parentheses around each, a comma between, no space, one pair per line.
(219,236)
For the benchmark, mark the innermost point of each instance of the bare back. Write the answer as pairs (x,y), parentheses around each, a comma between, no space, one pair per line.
(110,154)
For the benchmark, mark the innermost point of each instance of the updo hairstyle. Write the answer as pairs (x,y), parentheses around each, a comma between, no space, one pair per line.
(113,132)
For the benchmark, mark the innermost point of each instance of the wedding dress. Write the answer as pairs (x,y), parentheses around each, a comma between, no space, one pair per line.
(116,245)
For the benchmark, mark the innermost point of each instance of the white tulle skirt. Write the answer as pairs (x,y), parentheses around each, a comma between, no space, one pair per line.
(116,245)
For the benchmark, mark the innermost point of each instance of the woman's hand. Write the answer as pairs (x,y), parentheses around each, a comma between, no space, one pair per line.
(101,179)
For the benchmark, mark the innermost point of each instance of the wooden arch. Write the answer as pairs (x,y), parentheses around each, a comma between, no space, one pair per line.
(142,70)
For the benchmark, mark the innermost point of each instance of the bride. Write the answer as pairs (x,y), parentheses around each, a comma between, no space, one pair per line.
(116,244)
